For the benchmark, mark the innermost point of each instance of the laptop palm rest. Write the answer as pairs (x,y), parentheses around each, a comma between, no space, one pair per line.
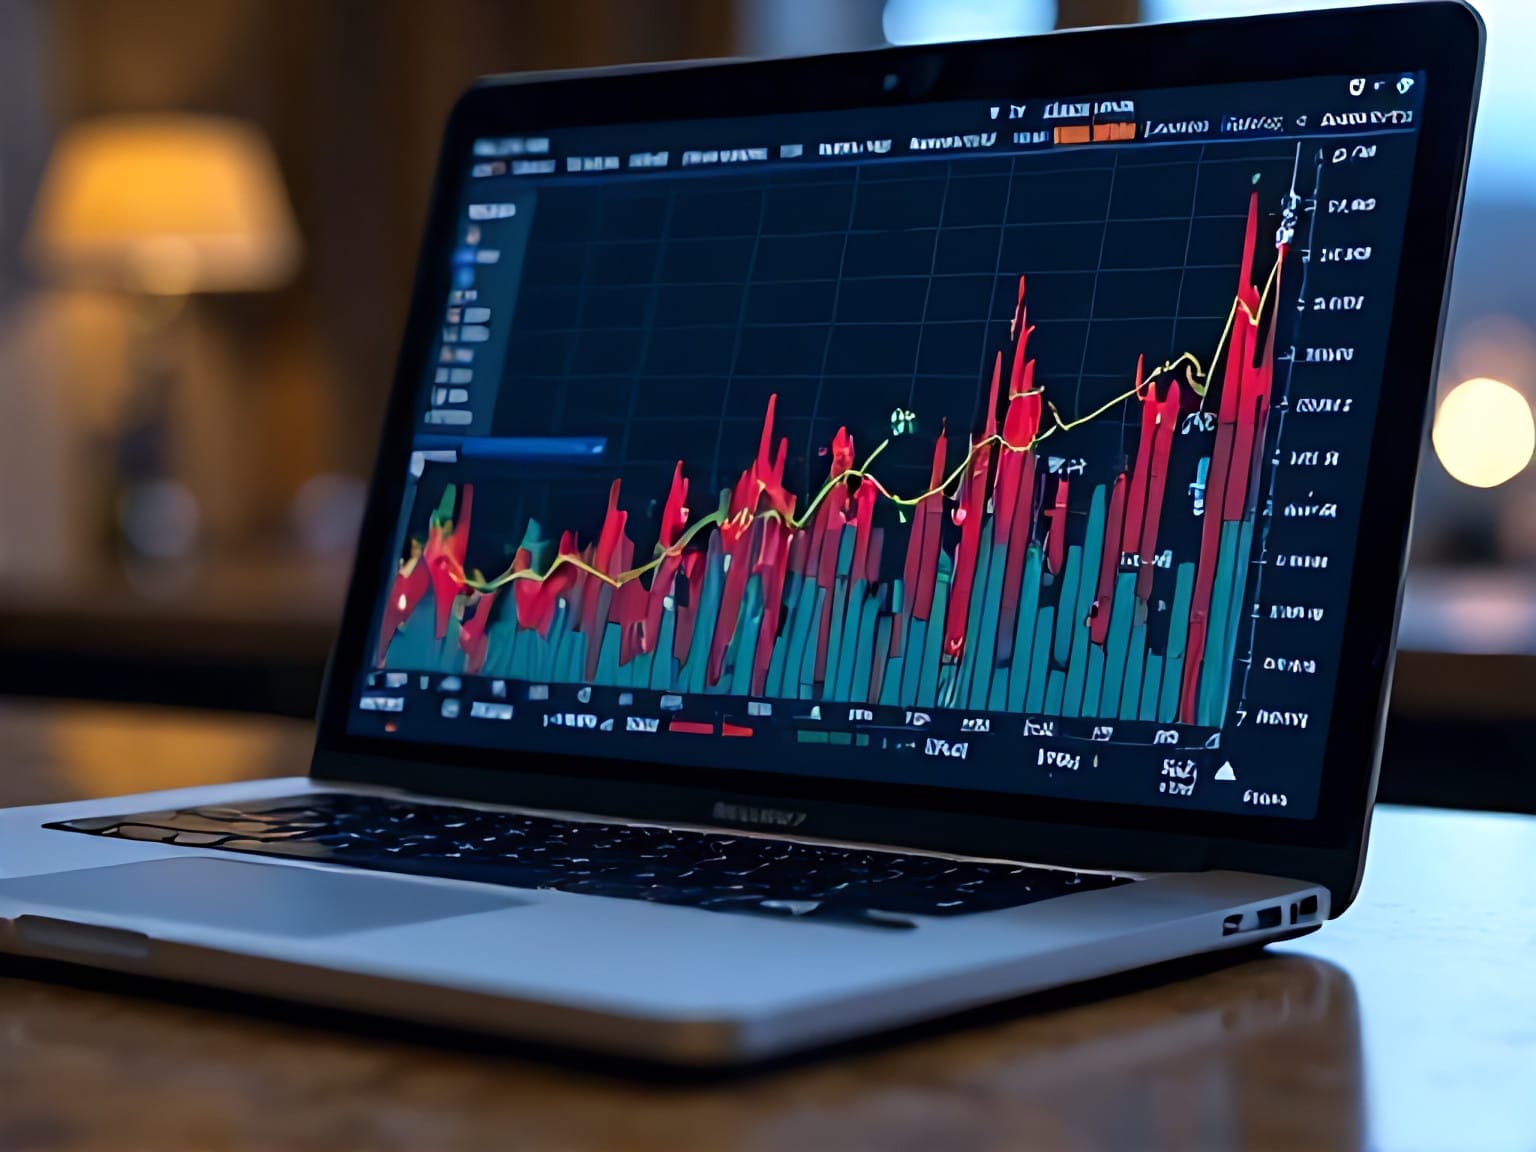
(248,896)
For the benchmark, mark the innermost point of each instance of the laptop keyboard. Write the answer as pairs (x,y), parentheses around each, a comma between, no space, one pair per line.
(715,871)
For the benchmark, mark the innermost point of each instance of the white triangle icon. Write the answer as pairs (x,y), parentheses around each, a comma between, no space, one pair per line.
(1225,772)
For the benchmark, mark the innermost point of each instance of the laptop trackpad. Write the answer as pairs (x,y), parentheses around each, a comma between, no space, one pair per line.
(247,896)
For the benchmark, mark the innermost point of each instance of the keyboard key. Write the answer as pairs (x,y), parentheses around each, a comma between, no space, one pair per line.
(709,870)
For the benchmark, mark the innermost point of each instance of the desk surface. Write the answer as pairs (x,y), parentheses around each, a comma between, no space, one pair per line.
(1410,1023)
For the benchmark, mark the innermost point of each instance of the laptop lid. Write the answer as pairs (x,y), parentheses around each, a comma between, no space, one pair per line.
(1004,448)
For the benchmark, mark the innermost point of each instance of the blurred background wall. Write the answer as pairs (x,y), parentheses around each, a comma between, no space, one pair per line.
(277,394)
(244,410)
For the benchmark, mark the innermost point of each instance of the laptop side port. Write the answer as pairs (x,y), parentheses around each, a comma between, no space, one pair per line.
(1265,919)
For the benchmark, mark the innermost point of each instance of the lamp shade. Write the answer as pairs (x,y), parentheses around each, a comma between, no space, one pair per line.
(166,204)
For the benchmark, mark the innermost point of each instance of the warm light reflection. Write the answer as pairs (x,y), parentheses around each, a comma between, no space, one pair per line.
(164,204)
(1484,433)
(111,751)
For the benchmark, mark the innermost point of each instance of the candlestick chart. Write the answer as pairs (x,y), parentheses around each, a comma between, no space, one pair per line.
(1014,579)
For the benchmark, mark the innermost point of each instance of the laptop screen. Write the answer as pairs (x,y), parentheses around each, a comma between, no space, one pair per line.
(1010,446)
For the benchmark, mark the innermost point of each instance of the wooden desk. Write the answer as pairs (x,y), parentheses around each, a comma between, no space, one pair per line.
(1411,1023)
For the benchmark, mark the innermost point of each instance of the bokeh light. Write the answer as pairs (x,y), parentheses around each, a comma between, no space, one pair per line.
(1484,434)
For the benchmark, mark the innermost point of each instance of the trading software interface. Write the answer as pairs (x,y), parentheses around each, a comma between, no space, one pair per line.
(1012,446)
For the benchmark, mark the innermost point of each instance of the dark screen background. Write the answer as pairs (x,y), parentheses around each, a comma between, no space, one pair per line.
(660,311)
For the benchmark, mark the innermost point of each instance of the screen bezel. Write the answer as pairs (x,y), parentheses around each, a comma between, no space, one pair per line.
(1441,38)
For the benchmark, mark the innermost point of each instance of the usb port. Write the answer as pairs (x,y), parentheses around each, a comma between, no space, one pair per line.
(1252,922)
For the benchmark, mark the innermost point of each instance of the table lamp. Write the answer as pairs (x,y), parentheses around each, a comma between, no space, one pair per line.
(159,207)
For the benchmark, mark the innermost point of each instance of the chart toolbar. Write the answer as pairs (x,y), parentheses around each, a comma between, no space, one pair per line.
(1246,112)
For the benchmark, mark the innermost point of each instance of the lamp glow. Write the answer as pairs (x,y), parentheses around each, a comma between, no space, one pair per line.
(165,205)
(1484,434)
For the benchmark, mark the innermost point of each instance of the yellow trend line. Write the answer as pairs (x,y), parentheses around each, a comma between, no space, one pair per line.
(1188,360)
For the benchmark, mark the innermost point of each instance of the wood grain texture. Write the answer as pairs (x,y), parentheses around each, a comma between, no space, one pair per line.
(1410,1023)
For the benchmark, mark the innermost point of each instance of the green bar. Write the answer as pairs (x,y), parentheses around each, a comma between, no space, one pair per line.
(912,661)
(549,665)
(1136,654)
(529,648)
(1178,639)
(807,736)
(406,648)
(980,641)
(626,667)
(744,643)
(548,657)
(846,540)
(1215,671)
(1073,703)
(509,642)
(499,639)
(576,658)
(834,688)
(997,698)
(1054,685)
(512,660)
(839,737)
(697,665)
(807,671)
(1023,636)
(524,654)
(830,686)
(1077,677)
(933,648)
(1066,602)
(864,648)
(607,657)
(1240,605)
(787,682)
(900,625)
(879,653)
(531,655)
(517,658)
(661,666)
(848,649)
(985,674)
(448,656)
(559,641)
(640,666)
(1040,663)
(949,684)
(774,684)
(1152,682)
(1093,683)
(1116,647)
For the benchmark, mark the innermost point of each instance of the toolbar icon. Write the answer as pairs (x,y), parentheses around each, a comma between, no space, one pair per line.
(1357,86)
(1404,84)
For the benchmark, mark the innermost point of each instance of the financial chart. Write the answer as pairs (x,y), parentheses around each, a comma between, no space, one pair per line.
(867,448)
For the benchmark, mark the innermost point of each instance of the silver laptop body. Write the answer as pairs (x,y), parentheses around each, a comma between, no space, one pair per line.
(854,539)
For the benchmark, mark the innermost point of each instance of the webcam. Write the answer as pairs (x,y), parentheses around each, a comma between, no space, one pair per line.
(916,79)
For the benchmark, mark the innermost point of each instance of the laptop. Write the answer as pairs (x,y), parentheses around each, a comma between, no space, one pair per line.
(854,539)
